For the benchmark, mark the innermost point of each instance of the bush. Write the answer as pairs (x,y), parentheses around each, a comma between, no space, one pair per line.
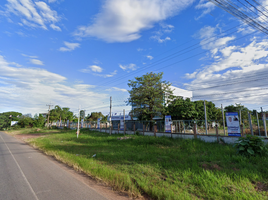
(251,146)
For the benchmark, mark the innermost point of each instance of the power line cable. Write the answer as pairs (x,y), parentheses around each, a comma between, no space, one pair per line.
(167,58)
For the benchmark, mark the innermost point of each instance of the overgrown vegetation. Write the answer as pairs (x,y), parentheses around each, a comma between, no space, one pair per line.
(251,146)
(163,168)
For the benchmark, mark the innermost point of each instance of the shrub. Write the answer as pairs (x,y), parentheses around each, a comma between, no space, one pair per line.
(251,146)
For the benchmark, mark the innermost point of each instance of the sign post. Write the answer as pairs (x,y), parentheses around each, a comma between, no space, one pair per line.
(233,124)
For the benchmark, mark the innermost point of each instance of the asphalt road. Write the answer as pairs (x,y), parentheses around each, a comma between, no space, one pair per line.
(28,174)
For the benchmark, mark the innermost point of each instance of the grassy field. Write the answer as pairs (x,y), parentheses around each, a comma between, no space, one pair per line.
(161,168)
(34,131)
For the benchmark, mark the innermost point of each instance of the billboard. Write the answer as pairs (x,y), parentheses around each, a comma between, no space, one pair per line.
(98,125)
(168,123)
(233,124)
(14,122)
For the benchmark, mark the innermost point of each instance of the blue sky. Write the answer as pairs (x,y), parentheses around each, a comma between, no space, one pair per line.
(72,53)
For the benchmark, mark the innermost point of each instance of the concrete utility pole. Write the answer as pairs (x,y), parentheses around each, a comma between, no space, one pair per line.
(258,122)
(223,121)
(264,122)
(78,122)
(250,123)
(110,115)
(206,123)
(240,115)
(48,114)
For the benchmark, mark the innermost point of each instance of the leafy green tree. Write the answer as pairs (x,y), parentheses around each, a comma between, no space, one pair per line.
(25,121)
(39,121)
(181,109)
(236,108)
(55,114)
(213,113)
(94,116)
(148,94)
(7,117)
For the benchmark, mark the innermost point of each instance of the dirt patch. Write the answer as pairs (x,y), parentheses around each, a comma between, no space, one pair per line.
(29,136)
(210,166)
(260,187)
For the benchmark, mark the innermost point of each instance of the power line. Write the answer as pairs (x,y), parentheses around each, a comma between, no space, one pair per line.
(209,40)
(239,91)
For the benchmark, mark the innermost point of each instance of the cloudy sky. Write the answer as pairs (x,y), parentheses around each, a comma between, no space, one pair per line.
(72,53)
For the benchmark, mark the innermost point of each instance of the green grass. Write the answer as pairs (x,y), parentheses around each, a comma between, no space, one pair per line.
(163,168)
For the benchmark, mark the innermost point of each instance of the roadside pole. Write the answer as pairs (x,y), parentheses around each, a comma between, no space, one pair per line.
(124,120)
(223,121)
(48,114)
(240,116)
(250,123)
(110,115)
(78,122)
(258,122)
(206,124)
(264,122)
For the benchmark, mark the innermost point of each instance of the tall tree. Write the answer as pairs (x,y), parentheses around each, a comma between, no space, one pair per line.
(94,116)
(7,117)
(147,95)
(213,113)
(181,109)
(236,108)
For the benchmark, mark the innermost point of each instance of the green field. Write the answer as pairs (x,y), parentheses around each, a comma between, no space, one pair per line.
(161,168)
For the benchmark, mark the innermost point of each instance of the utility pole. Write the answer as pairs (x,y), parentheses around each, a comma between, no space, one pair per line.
(264,122)
(124,120)
(223,121)
(240,116)
(78,121)
(110,115)
(258,122)
(48,114)
(206,124)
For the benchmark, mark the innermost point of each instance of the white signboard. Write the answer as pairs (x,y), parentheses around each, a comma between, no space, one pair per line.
(14,122)
(233,124)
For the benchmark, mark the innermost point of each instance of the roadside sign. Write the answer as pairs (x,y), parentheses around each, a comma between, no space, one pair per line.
(233,124)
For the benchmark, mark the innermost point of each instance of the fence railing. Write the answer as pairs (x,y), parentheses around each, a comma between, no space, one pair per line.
(177,127)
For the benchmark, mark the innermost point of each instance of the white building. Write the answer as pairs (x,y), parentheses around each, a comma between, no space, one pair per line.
(176,92)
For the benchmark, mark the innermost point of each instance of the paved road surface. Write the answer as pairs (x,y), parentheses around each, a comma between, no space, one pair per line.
(27,174)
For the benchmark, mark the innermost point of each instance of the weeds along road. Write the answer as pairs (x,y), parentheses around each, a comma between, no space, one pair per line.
(27,174)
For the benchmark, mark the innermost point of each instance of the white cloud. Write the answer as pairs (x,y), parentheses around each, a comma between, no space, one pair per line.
(69,46)
(158,38)
(150,57)
(29,56)
(206,6)
(36,62)
(165,28)
(241,70)
(96,70)
(92,68)
(209,39)
(116,89)
(35,14)
(106,75)
(29,90)
(129,67)
(123,20)
(54,27)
